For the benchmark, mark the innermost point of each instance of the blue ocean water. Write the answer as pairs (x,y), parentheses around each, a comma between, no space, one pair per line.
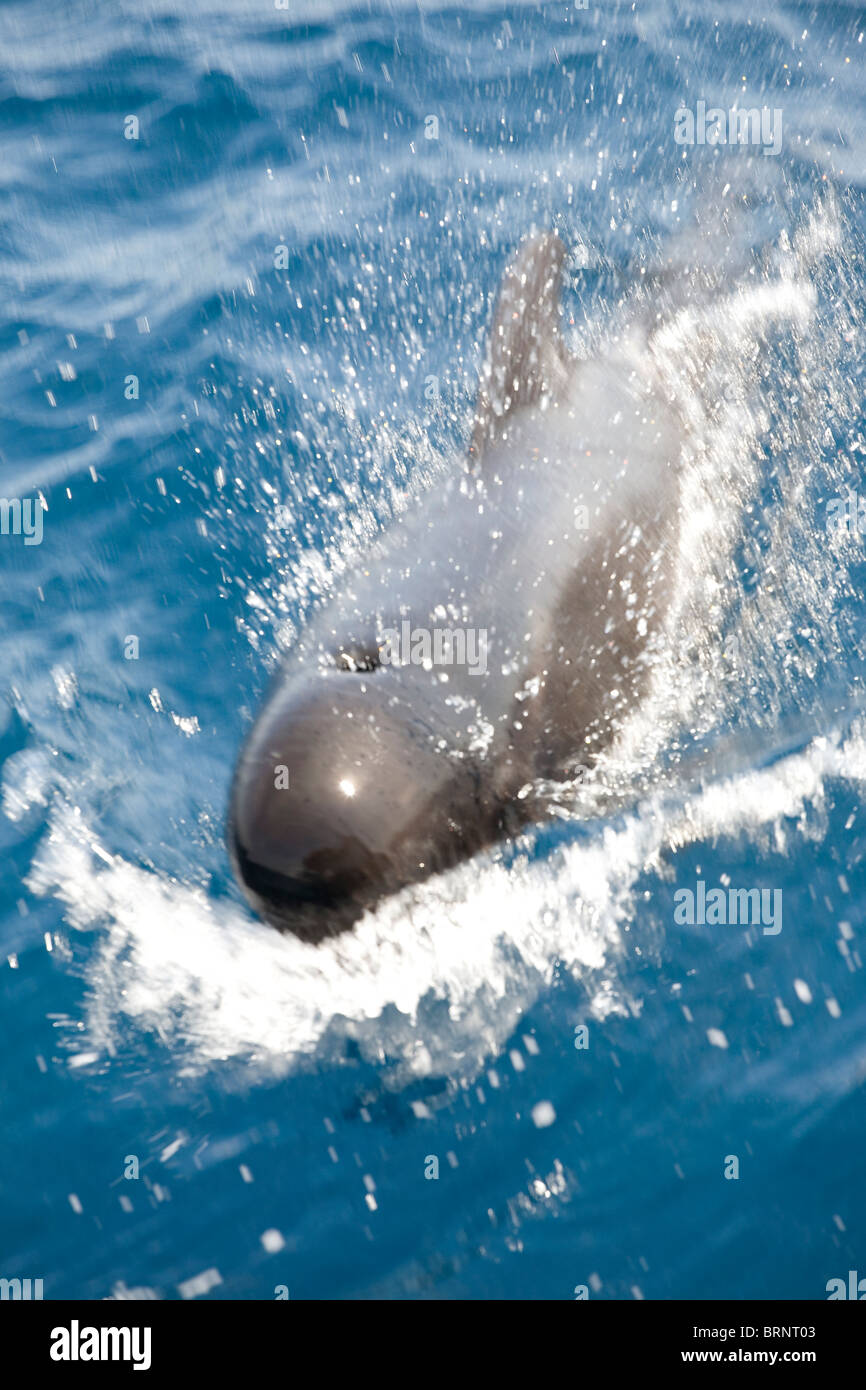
(247,256)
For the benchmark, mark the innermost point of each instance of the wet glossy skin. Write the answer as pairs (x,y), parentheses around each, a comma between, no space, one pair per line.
(371,803)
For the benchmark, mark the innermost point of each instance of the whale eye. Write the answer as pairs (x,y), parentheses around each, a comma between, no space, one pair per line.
(357,657)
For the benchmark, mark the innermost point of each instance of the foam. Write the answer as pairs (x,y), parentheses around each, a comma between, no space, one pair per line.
(486,938)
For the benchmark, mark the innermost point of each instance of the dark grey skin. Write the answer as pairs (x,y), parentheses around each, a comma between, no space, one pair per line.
(397,772)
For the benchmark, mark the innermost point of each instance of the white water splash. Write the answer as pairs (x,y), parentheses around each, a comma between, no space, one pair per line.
(214,985)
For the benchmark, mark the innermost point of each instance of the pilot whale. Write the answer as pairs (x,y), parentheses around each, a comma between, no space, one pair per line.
(494,639)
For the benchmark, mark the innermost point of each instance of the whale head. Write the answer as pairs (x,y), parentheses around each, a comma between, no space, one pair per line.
(350,788)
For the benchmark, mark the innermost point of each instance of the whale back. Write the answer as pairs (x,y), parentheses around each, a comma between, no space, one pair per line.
(559,550)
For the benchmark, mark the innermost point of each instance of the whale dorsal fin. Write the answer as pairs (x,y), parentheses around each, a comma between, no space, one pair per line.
(526,358)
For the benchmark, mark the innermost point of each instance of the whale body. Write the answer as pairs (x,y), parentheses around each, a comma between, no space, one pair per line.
(494,638)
